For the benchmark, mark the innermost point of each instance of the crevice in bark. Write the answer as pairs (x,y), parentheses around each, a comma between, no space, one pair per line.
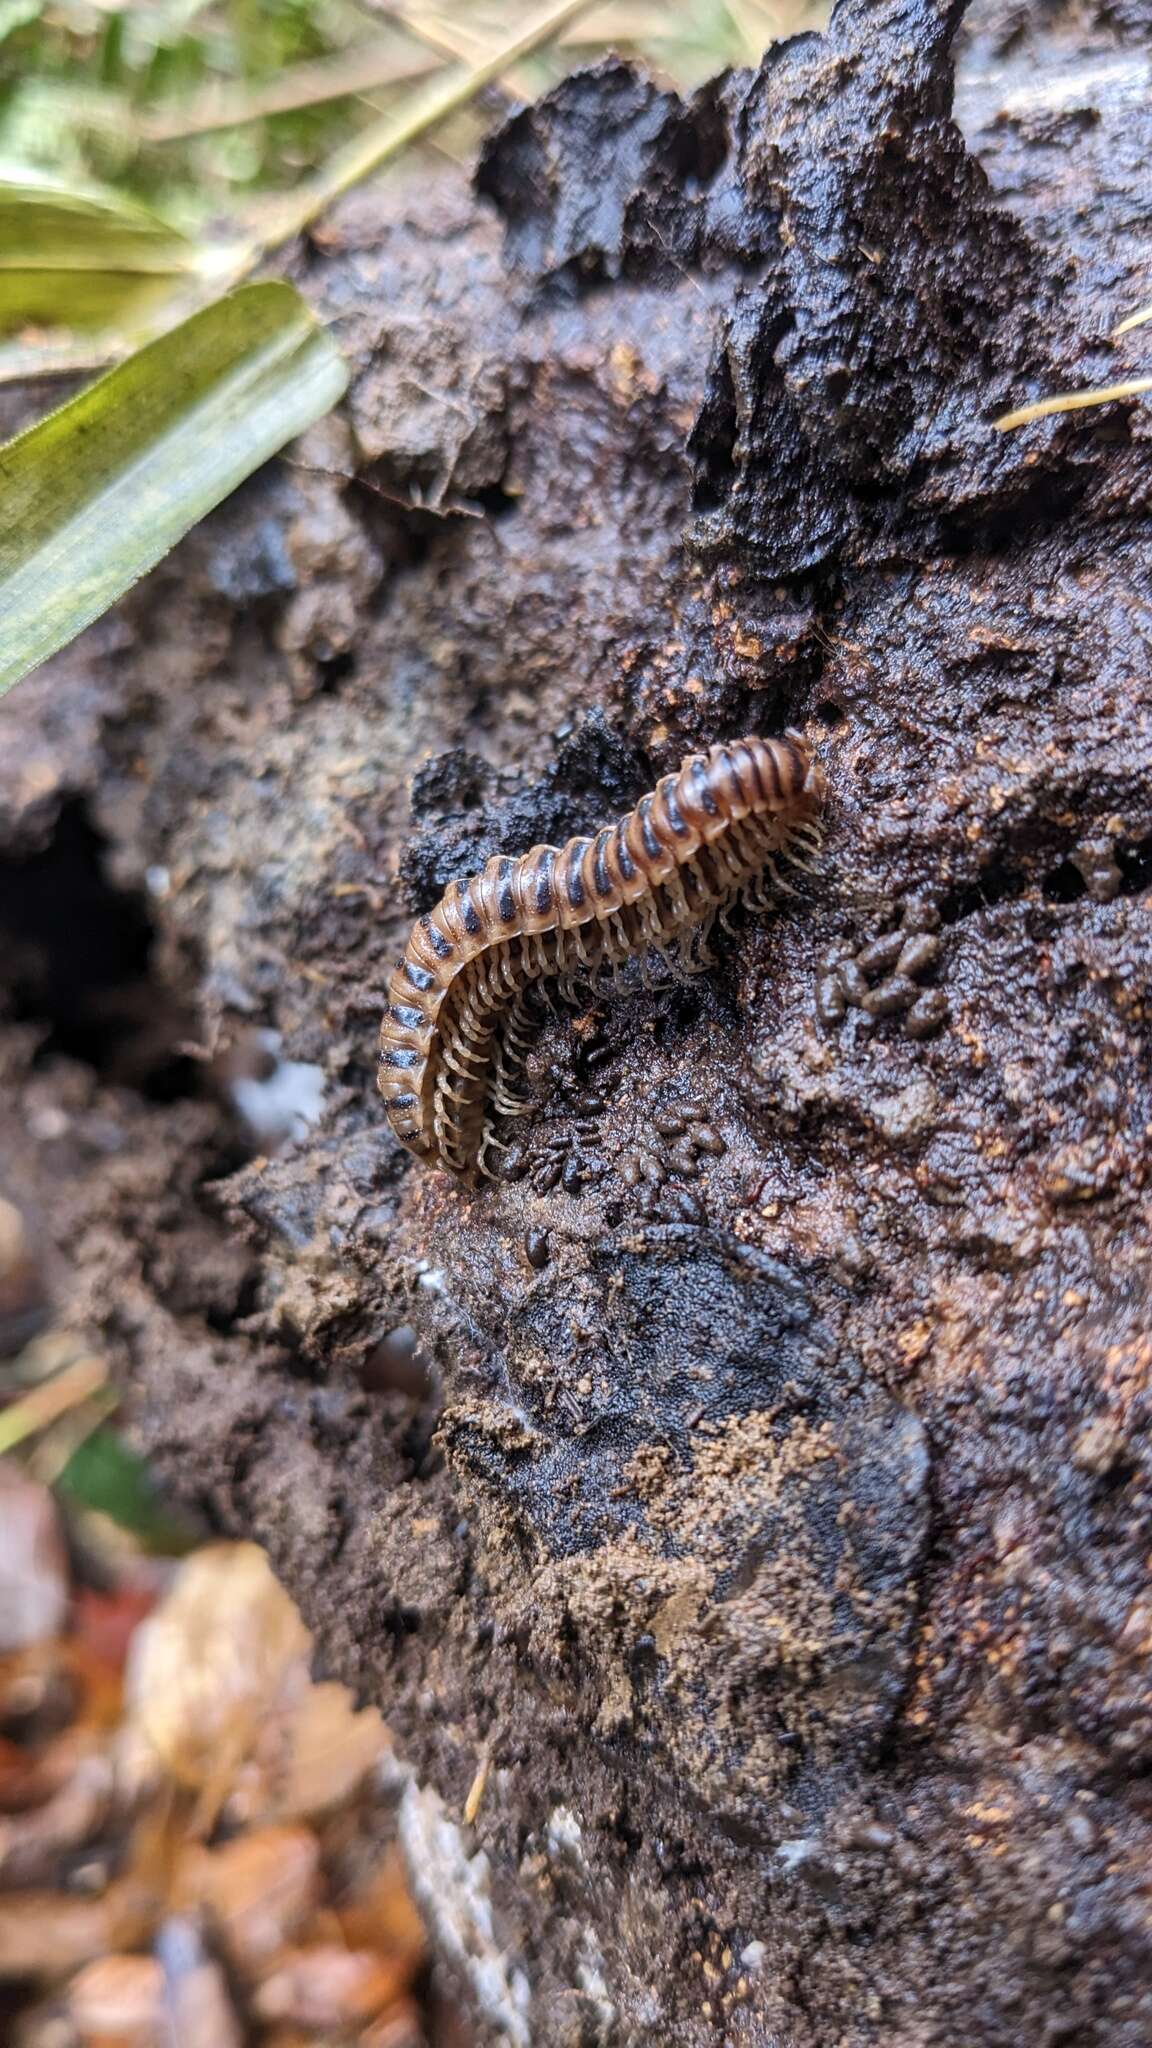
(76,959)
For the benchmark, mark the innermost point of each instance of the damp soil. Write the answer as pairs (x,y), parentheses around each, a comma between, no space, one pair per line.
(746,1499)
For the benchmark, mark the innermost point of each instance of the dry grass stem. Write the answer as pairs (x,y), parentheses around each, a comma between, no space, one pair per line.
(385,139)
(307,85)
(46,1403)
(1137,319)
(1072,401)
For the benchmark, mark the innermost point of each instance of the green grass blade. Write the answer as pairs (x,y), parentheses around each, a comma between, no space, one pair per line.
(95,495)
(83,260)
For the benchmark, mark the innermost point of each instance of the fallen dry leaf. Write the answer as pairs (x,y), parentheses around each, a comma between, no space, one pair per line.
(223,1654)
(381,1914)
(58,1705)
(329,1988)
(216,1684)
(47,1935)
(399,2027)
(256,1892)
(29,1777)
(118,2002)
(106,1622)
(329,1750)
(31,1843)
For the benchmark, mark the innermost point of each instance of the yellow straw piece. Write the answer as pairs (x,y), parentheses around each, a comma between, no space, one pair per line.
(1072,401)
(1133,320)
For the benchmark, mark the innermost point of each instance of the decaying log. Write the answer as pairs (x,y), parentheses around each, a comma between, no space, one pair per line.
(777,1575)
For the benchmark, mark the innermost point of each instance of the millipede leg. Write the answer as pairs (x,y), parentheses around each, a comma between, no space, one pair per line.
(572,964)
(489,1143)
(616,948)
(513,1045)
(811,832)
(506,1104)
(732,858)
(651,916)
(712,878)
(691,957)
(678,908)
(777,879)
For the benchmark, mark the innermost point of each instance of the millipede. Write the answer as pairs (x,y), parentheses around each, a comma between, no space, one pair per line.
(463,1005)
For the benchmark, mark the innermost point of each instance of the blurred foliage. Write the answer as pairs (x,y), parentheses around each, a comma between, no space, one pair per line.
(104,1476)
(135,97)
(153,154)
(79,83)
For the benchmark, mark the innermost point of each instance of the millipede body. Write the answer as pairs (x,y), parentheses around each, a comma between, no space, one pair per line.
(460,1018)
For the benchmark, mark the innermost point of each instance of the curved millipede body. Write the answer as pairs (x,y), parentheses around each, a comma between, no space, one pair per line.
(459,1017)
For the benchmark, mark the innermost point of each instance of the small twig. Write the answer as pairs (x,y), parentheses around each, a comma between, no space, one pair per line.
(1072,401)
(48,1402)
(63,1440)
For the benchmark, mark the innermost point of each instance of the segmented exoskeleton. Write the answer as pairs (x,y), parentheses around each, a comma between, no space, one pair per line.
(459,1020)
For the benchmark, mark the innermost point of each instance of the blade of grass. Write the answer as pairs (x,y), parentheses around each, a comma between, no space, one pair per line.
(82,260)
(95,494)
(748,36)
(48,1402)
(1072,401)
(100,1474)
(305,85)
(613,24)
(465,45)
(34,362)
(15,14)
(56,1445)
(387,137)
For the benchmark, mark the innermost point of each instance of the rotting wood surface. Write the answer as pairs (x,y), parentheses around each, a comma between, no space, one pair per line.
(780,1568)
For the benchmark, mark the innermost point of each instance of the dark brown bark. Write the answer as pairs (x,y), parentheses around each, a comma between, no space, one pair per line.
(784,1543)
